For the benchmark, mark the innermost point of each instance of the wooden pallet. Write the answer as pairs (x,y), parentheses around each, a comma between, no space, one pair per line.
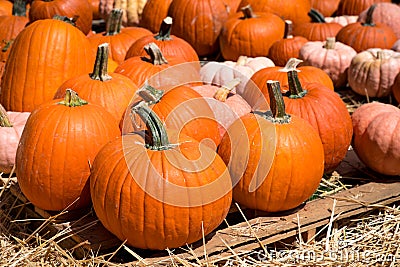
(248,230)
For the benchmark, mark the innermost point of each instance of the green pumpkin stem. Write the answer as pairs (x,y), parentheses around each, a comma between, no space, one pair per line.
(7,45)
(150,94)
(368,18)
(156,137)
(248,12)
(100,70)
(330,43)
(156,57)
(19,8)
(164,33)
(71,21)
(316,16)
(295,88)
(72,99)
(114,22)
(288,29)
(4,119)
(276,103)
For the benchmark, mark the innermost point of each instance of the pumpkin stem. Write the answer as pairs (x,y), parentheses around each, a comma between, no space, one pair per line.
(100,70)
(222,93)
(156,57)
(291,64)
(71,21)
(19,8)
(368,19)
(278,113)
(330,43)
(164,33)
(241,61)
(295,88)
(248,12)
(150,94)
(7,45)
(156,137)
(316,16)
(114,22)
(4,119)
(288,29)
(72,99)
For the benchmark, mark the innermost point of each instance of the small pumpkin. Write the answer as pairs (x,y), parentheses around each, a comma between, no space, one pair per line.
(120,38)
(169,45)
(220,73)
(157,191)
(80,10)
(11,126)
(368,34)
(250,34)
(284,153)
(372,72)
(376,137)
(288,47)
(224,102)
(57,147)
(113,91)
(318,29)
(11,26)
(332,57)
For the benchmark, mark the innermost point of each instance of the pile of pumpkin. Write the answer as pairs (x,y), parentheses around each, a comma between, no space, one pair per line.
(129,121)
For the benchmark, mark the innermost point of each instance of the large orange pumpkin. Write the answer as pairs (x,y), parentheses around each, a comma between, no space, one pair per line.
(276,160)
(56,149)
(44,55)
(80,10)
(155,191)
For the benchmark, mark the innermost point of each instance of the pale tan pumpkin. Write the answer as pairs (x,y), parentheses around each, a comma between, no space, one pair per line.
(372,72)
(132,10)
(332,57)
(342,20)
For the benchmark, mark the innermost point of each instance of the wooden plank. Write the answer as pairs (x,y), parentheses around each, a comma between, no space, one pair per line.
(314,214)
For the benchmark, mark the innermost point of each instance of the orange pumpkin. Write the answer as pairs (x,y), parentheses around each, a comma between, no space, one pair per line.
(5,7)
(44,55)
(326,7)
(156,191)
(355,7)
(275,159)
(154,11)
(80,10)
(113,91)
(57,147)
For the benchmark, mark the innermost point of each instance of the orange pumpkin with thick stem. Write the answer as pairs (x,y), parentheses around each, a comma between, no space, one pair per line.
(376,137)
(11,26)
(113,91)
(56,149)
(57,51)
(368,34)
(288,47)
(249,33)
(80,10)
(326,112)
(283,157)
(120,38)
(157,191)
(318,29)
(169,45)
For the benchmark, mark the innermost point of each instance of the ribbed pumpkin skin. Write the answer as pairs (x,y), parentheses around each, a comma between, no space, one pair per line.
(119,43)
(376,137)
(174,47)
(296,169)
(315,31)
(281,51)
(355,7)
(364,37)
(5,7)
(114,95)
(10,27)
(154,12)
(199,22)
(55,152)
(327,113)
(43,56)
(45,9)
(326,7)
(145,222)
(250,37)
